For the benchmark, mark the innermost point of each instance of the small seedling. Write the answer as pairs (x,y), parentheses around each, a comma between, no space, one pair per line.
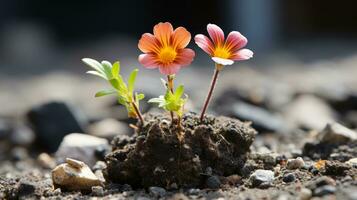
(125,92)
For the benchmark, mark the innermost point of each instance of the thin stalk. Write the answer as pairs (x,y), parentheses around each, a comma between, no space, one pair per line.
(170,85)
(138,113)
(213,84)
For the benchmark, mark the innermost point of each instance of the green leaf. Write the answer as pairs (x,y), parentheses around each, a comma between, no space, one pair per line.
(116,69)
(115,83)
(131,80)
(94,64)
(107,66)
(122,100)
(105,92)
(179,91)
(96,73)
(139,96)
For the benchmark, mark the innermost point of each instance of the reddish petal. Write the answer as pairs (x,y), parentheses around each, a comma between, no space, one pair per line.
(222,61)
(180,38)
(216,34)
(185,57)
(243,54)
(162,32)
(169,69)
(148,61)
(148,43)
(204,43)
(235,41)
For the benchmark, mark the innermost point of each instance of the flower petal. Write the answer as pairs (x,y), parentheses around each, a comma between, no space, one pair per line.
(180,38)
(243,54)
(169,69)
(216,34)
(148,60)
(235,41)
(222,61)
(204,43)
(185,57)
(162,32)
(148,43)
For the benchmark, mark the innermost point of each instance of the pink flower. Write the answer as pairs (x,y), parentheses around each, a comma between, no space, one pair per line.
(223,52)
(166,49)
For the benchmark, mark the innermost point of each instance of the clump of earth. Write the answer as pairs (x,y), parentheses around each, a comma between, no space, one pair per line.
(157,157)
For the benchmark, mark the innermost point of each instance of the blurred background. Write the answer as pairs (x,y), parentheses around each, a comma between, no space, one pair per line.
(303,73)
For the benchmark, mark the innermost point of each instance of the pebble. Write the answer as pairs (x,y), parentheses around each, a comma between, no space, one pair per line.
(295,163)
(46,161)
(108,128)
(81,147)
(97,191)
(52,121)
(213,182)
(289,177)
(179,196)
(99,165)
(261,176)
(193,191)
(352,162)
(335,133)
(157,192)
(324,190)
(25,188)
(74,175)
(305,194)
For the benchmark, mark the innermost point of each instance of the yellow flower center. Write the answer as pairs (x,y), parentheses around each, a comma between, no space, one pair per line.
(167,54)
(221,52)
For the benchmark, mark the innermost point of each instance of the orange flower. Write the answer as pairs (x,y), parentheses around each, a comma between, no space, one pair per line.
(223,52)
(166,49)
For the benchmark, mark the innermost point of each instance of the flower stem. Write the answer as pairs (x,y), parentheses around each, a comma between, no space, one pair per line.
(138,113)
(213,83)
(170,86)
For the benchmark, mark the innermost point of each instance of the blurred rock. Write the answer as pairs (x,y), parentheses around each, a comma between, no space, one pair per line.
(324,190)
(22,135)
(213,182)
(352,162)
(108,128)
(5,128)
(46,161)
(335,133)
(19,153)
(25,188)
(295,163)
(289,177)
(97,191)
(309,112)
(305,194)
(263,120)
(74,175)
(80,146)
(260,177)
(52,121)
(157,192)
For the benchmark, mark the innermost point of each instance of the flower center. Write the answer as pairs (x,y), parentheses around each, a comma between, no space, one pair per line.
(167,55)
(221,52)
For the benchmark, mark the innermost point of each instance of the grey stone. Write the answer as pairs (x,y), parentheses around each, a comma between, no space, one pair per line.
(261,176)
(157,191)
(324,190)
(213,182)
(289,177)
(335,133)
(97,191)
(305,194)
(295,163)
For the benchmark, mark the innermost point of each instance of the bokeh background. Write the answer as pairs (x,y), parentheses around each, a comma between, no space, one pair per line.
(300,47)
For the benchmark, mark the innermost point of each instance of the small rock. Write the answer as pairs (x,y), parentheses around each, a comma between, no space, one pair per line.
(352,162)
(46,161)
(335,133)
(108,128)
(80,146)
(289,177)
(25,188)
(52,121)
(18,154)
(261,176)
(178,196)
(336,168)
(22,135)
(97,191)
(193,191)
(208,171)
(325,190)
(321,181)
(157,192)
(305,194)
(74,175)
(213,182)
(296,163)
(99,165)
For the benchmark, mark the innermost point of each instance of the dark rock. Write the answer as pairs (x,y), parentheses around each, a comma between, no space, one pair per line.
(52,121)
(213,182)
(25,188)
(101,151)
(158,157)
(289,177)
(5,128)
(157,192)
(335,133)
(320,181)
(324,190)
(336,168)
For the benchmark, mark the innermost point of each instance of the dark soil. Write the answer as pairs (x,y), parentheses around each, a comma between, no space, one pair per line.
(156,157)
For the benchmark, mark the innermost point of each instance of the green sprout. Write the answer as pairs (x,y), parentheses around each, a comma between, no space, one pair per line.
(125,92)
